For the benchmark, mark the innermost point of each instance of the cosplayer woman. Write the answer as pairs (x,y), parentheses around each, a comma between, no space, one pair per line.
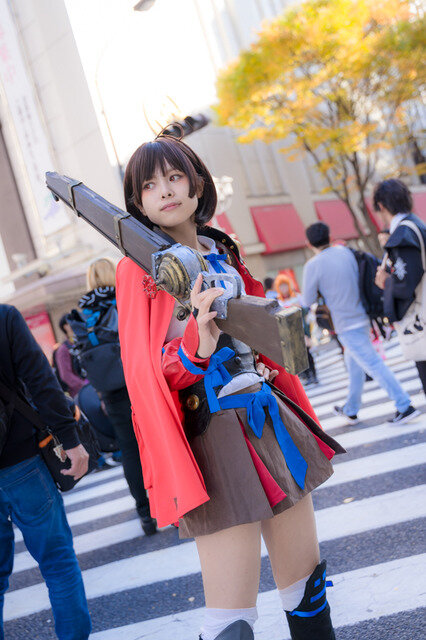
(225,453)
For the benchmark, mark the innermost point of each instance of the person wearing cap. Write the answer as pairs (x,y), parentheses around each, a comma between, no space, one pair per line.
(351,322)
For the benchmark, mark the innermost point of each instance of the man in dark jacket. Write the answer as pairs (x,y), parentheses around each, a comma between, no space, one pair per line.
(28,496)
(392,199)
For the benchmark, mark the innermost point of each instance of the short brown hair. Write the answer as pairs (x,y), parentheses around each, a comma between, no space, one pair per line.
(166,149)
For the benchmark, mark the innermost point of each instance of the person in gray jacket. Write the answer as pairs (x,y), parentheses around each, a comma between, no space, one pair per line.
(333,274)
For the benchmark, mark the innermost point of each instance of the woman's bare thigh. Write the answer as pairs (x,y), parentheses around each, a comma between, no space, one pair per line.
(230,566)
(292,543)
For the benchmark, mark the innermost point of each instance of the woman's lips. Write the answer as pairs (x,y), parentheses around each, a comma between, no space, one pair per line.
(170,206)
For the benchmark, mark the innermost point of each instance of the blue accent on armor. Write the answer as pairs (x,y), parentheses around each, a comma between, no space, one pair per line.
(329,583)
(317,582)
(255,404)
(214,376)
(323,575)
(308,614)
(214,259)
(319,595)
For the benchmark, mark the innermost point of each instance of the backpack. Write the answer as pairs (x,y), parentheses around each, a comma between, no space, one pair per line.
(97,346)
(74,363)
(371,295)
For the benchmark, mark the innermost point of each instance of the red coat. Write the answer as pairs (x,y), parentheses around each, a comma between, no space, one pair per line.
(171,474)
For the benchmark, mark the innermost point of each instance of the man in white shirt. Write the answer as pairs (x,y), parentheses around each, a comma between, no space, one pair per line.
(333,274)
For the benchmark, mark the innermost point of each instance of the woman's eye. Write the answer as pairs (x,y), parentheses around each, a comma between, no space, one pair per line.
(148,185)
(175,177)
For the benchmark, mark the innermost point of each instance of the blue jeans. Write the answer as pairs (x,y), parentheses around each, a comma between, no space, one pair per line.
(361,357)
(30,499)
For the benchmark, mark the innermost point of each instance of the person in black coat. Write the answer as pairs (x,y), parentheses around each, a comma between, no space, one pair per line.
(28,495)
(393,200)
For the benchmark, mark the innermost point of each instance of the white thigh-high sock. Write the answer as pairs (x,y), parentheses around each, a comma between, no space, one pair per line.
(216,620)
(292,596)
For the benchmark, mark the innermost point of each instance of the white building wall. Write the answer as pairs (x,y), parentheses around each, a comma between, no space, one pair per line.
(69,122)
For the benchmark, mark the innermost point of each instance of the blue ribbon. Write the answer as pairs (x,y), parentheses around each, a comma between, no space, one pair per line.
(255,404)
(215,259)
(214,376)
(217,375)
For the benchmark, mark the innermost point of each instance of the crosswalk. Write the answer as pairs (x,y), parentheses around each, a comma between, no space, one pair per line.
(370,519)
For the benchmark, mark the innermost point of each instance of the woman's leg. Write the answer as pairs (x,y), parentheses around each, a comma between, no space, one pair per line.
(292,543)
(230,566)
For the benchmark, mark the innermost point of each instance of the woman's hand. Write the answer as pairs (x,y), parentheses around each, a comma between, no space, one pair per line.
(381,277)
(263,370)
(208,330)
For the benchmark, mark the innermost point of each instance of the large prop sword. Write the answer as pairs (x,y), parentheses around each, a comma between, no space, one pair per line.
(261,323)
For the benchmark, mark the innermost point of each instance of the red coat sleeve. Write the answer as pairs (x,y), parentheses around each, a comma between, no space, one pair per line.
(177,376)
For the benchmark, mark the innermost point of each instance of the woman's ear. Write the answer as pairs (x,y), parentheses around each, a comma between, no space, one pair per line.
(200,187)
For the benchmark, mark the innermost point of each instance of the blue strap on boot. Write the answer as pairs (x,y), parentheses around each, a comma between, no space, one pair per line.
(311,619)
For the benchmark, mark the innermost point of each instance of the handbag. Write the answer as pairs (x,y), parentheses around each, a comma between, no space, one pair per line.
(411,329)
(323,315)
(51,448)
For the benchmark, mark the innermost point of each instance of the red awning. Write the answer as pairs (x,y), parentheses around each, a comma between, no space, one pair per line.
(419,204)
(336,214)
(279,227)
(222,221)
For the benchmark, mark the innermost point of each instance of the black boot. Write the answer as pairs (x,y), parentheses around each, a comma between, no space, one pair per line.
(311,619)
(240,630)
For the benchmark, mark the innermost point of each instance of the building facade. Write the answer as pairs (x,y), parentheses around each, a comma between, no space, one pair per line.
(47,123)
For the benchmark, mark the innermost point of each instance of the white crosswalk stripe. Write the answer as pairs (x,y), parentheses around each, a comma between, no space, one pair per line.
(117,564)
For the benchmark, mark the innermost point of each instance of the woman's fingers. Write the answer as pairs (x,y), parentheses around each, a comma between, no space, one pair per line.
(206,299)
(263,370)
(196,289)
(260,367)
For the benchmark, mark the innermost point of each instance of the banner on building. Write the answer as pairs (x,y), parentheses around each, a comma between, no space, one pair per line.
(24,112)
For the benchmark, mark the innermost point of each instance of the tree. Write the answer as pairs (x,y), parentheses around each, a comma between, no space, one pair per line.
(338,80)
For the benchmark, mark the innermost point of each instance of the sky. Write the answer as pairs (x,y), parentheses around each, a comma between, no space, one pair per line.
(135,61)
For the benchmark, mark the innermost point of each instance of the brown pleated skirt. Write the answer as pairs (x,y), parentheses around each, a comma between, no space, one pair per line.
(236,493)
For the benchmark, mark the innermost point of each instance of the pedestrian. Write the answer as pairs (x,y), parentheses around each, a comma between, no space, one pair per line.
(287,296)
(269,289)
(404,288)
(211,464)
(29,498)
(65,364)
(95,305)
(352,325)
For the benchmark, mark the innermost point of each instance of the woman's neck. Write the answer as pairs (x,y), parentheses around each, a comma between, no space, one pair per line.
(185,234)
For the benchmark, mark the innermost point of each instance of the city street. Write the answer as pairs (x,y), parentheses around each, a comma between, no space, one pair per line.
(370,517)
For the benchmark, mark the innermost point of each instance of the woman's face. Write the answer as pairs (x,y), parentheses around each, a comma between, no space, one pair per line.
(165,198)
(284,289)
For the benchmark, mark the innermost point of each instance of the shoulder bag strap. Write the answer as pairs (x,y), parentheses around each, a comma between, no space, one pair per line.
(414,227)
(23,407)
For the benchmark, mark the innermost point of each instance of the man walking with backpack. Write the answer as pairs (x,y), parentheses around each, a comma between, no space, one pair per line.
(28,495)
(404,288)
(333,274)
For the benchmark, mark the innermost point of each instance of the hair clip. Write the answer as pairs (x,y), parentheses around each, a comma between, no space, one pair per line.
(172,130)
